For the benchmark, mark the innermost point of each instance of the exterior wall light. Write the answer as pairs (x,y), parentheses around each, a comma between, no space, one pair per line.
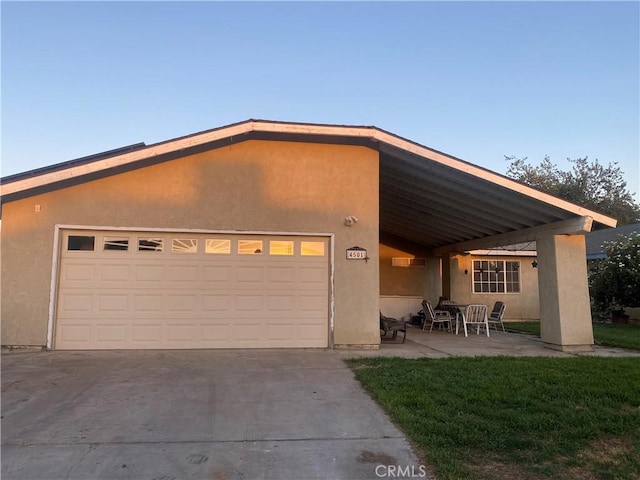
(350,221)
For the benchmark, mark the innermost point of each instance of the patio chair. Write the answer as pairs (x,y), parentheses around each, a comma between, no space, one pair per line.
(496,315)
(393,326)
(475,315)
(450,306)
(441,317)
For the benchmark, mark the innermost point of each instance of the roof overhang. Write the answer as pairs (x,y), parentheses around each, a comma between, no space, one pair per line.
(427,197)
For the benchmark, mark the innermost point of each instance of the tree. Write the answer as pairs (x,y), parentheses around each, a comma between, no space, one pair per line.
(588,183)
(615,281)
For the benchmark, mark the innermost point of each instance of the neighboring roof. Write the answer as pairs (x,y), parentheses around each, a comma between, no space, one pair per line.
(526,249)
(426,196)
(597,238)
(72,163)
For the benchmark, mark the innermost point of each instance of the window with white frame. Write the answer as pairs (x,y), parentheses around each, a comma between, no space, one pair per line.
(496,276)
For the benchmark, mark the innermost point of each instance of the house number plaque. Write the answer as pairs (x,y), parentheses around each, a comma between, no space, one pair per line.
(357,253)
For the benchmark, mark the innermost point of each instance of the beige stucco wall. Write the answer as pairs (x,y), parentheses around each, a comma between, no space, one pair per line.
(401,281)
(402,289)
(520,306)
(251,186)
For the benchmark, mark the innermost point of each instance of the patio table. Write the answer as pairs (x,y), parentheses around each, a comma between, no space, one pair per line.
(456,309)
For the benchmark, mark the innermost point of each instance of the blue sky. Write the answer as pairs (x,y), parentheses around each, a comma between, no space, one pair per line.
(477,80)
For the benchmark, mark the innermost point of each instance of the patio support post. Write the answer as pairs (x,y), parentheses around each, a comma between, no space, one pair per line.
(434,280)
(446,275)
(565,311)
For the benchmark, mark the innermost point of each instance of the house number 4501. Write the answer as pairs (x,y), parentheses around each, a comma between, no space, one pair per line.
(357,253)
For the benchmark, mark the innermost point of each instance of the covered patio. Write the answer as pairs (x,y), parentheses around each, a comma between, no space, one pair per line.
(441,206)
(441,344)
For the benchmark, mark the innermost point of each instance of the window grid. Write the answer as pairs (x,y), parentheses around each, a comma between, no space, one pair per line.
(496,276)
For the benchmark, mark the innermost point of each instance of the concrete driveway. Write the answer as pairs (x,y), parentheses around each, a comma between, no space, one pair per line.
(204,414)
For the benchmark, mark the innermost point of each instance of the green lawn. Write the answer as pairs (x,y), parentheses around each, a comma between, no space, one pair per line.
(514,418)
(611,335)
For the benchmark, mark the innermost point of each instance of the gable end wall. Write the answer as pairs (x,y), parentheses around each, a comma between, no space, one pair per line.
(250,186)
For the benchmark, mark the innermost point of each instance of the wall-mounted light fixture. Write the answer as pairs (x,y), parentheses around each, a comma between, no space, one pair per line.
(350,220)
(466,272)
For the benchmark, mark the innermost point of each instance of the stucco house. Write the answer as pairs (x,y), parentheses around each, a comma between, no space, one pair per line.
(266,234)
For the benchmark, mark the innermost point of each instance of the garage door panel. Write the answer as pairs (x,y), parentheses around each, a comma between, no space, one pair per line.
(282,275)
(78,272)
(77,302)
(246,332)
(147,303)
(204,296)
(249,274)
(249,303)
(281,303)
(214,303)
(217,273)
(312,303)
(113,302)
(146,333)
(182,303)
(114,273)
(183,273)
(111,333)
(311,332)
(215,332)
(148,273)
(181,332)
(312,274)
(281,332)
(75,334)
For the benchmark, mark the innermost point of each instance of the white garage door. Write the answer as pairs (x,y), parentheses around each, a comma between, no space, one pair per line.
(124,290)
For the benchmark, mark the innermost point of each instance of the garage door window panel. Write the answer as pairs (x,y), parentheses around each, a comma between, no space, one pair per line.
(250,247)
(218,246)
(312,249)
(280,247)
(81,242)
(116,244)
(184,245)
(147,244)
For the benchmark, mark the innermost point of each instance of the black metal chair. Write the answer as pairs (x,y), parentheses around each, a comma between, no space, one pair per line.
(393,326)
(496,315)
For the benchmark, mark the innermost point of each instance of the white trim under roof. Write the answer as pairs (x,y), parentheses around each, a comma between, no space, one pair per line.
(372,133)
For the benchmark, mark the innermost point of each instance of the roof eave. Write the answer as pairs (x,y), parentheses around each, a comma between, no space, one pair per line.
(26,183)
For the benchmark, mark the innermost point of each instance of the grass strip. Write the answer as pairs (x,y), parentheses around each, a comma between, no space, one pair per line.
(605,334)
(504,418)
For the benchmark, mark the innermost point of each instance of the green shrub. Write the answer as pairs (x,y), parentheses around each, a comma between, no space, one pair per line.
(614,281)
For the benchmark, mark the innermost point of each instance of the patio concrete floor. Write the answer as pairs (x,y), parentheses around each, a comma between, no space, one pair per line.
(441,344)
